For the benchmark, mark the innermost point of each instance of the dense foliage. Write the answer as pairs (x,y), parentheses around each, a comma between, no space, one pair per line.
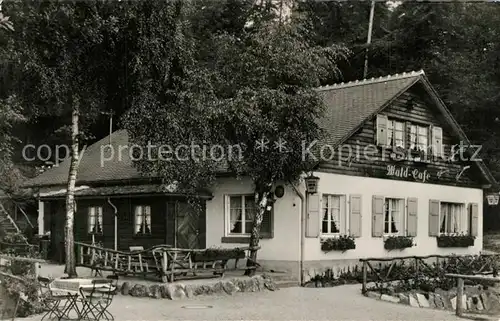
(18,279)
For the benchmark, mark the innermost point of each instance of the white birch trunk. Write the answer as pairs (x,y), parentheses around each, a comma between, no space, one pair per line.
(262,200)
(70,268)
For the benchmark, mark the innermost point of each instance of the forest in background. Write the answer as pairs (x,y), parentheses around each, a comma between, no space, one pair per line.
(457,45)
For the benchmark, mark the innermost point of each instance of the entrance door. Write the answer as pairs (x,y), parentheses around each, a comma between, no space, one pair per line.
(187,225)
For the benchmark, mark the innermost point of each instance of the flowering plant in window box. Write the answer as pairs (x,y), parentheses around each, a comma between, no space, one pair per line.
(342,243)
(218,254)
(456,240)
(398,242)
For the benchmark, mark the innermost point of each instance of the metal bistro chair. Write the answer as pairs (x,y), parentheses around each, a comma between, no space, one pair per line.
(52,302)
(97,300)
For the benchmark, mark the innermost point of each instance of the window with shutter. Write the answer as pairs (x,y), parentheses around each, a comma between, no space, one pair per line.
(437,142)
(452,218)
(240,213)
(333,215)
(473,219)
(355,221)
(377,216)
(433,218)
(394,216)
(313,215)
(412,217)
(381,130)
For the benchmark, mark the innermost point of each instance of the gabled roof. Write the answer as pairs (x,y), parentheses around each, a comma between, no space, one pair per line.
(349,104)
(91,168)
(348,107)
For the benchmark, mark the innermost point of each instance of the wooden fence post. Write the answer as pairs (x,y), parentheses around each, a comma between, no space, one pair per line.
(365,277)
(460,293)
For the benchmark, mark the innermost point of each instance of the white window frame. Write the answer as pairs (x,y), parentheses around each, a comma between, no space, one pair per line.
(145,212)
(227,215)
(391,132)
(94,215)
(403,217)
(342,220)
(415,134)
(463,226)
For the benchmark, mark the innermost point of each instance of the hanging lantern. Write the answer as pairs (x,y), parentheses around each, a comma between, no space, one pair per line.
(312,184)
(493,199)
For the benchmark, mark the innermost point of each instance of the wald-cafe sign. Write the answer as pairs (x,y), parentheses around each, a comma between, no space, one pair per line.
(408,172)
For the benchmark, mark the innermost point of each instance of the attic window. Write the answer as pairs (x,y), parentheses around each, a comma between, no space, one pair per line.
(395,133)
(407,135)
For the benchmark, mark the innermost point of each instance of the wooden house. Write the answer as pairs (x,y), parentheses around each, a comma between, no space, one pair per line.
(394,162)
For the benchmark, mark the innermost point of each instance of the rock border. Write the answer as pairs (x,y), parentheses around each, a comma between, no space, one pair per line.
(178,290)
(475,299)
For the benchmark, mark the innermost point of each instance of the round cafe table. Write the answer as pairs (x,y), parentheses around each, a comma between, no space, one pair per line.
(73,287)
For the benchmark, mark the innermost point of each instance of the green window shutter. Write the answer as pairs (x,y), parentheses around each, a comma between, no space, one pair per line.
(355,215)
(412,215)
(313,215)
(474,219)
(381,130)
(437,141)
(434,210)
(377,216)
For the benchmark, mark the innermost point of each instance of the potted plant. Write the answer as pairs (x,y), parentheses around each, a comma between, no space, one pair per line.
(455,240)
(218,254)
(342,243)
(398,242)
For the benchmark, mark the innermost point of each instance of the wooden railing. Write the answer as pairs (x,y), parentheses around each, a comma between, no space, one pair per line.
(460,287)
(429,266)
(102,259)
(162,260)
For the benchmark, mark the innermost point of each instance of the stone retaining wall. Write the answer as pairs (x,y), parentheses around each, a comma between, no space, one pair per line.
(176,291)
(476,299)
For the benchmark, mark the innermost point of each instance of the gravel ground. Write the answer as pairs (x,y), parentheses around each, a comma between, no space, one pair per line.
(338,303)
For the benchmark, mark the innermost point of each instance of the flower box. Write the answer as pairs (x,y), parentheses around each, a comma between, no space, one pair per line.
(398,242)
(218,255)
(342,243)
(455,240)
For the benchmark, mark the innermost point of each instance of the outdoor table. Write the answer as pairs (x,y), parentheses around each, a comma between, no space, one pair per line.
(73,287)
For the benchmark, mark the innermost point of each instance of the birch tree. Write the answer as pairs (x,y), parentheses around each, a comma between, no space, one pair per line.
(257,91)
(60,56)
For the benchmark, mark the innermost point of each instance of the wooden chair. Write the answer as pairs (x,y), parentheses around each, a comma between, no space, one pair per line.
(98,299)
(138,263)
